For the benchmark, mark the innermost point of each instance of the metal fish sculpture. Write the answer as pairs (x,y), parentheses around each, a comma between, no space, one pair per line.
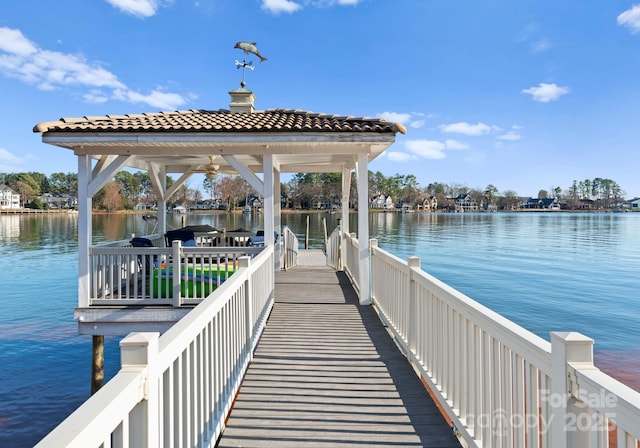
(250,47)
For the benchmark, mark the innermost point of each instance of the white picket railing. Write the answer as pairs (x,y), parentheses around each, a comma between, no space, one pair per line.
(499,384)
(177,389)
(290,252)
(350,259)
(333,248)
(177,275)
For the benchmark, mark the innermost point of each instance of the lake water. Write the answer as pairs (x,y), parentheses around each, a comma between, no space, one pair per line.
(545,271)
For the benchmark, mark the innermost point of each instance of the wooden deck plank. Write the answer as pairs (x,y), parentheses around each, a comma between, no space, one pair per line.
(327,373)
(311,257)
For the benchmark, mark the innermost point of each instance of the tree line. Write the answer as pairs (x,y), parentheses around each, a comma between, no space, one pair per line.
(304,190)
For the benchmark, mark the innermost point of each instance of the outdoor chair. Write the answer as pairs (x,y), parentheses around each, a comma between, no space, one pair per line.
(146,263)
(188,237)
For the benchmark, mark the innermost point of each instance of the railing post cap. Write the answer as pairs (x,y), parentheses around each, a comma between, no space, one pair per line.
(414,262)
(244,261)
(571,337)
(572,346)
(135,348)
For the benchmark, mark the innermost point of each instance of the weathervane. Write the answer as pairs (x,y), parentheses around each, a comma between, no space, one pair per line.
(247,47)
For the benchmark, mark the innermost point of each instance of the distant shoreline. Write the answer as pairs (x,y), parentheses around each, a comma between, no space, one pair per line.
(29,211)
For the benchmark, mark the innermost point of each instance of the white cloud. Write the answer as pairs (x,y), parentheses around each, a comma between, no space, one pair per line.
(631,19)
(413,120)
(156,98)
(396,117)
(466,128)
(50,70)
(290,6)
(544,93)
(455,144)
(278,6)
(14,42)
(428,149)
(10,162)
(95,96)
(510,136)
(397,156)
(137,8)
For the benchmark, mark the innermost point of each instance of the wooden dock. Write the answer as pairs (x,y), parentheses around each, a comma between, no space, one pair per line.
(327,373)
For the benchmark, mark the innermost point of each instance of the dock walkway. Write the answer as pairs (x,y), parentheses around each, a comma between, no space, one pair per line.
(327,373)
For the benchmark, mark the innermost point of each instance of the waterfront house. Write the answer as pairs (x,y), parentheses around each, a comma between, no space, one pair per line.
(382,202)
(429,203)
(9,199)
(634,204)
(542,204)
(465,203)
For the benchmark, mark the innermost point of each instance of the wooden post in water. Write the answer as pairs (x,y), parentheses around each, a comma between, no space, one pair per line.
(97,363)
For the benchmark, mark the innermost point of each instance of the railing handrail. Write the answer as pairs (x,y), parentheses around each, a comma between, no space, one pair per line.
(522,341)
(96,418)
(173,387)
(480,365)
(291,247)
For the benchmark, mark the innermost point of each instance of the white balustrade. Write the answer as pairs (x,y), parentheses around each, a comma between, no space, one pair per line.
(333,248)
(291,246)
(351,259)
(175,275)
(177,389)
(499,384)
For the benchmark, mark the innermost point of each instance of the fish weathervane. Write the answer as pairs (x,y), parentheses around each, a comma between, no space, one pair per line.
(248,48)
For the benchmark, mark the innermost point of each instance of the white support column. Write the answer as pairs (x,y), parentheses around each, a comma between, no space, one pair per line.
(85,229)
(362,170)
(277,218)
(346,190)
(267,193)
(162,205)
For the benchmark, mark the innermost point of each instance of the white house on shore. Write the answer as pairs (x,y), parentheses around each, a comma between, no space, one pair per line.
(9,199)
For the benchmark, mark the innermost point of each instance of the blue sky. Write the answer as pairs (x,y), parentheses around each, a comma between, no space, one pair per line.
(525,95)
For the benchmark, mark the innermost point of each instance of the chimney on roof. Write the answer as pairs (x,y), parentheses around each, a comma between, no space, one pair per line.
(241,101)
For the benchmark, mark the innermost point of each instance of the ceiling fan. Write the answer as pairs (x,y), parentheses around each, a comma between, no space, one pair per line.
(211,169)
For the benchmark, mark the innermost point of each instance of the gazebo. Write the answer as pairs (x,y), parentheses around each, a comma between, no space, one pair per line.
(257,145)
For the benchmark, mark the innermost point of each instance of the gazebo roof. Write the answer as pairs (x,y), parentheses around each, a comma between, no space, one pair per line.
(186,141)
(272,120)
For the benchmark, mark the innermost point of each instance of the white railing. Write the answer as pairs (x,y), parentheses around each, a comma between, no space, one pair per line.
(333,248)
(291,244)
(351,259)
(499,384)
(175,275)
(176,390)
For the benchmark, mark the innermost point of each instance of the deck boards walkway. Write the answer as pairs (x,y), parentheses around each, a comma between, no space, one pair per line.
(326,373)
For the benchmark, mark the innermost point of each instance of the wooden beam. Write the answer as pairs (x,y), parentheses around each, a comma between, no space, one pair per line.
(245,172)
(107,173)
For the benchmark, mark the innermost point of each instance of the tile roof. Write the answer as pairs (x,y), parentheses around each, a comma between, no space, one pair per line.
(272,120)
